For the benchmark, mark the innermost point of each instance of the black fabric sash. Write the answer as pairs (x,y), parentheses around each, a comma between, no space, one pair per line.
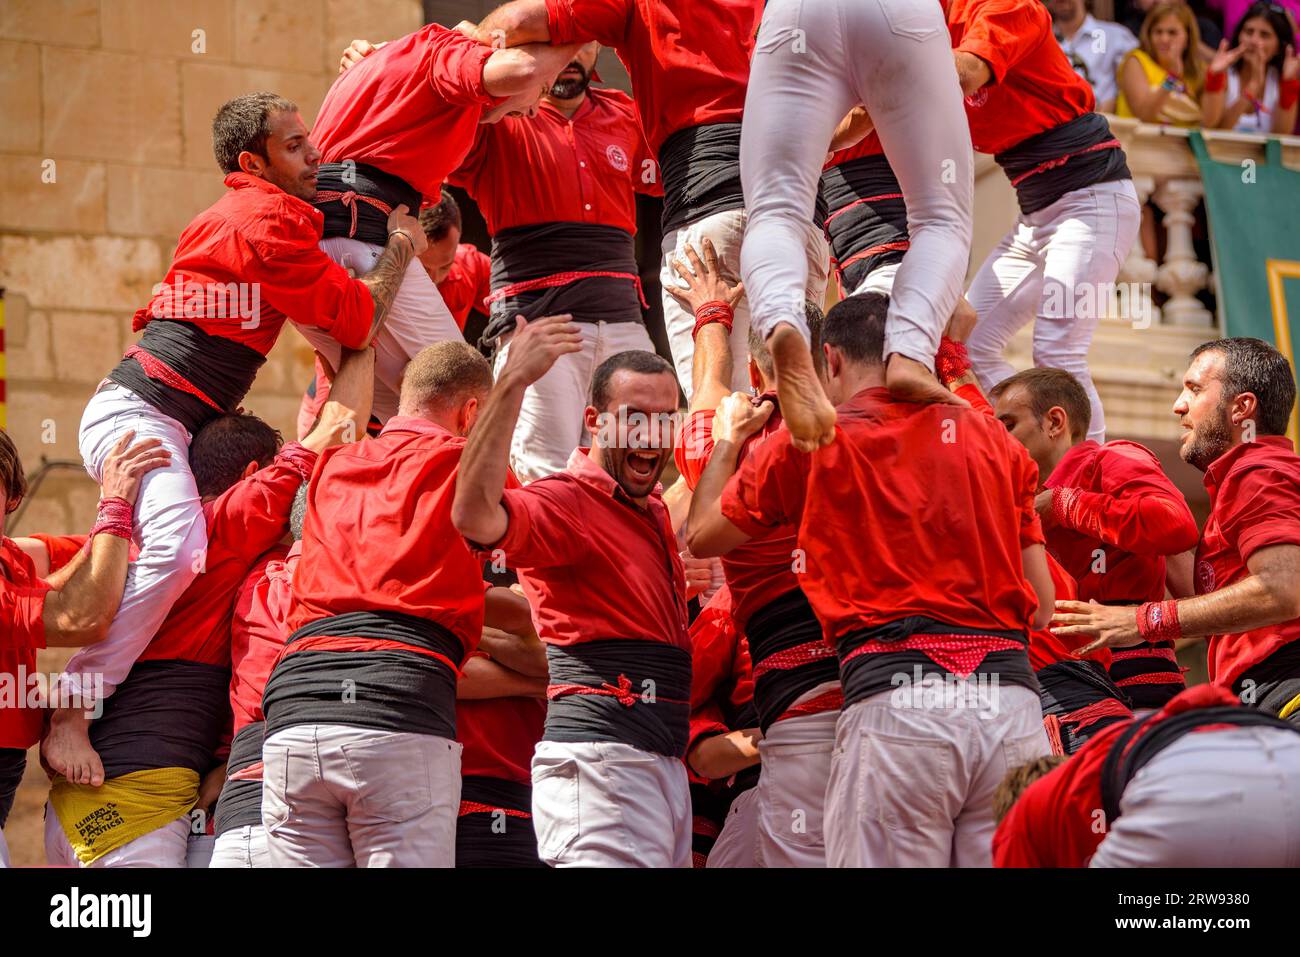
(1148,695)
(657,677)
(240,803)
(700,167)
(1134,749)
(870,674)
(549,249)
(371,221)
(850,229)
(1042,189)
(387,690)
(221,368)
(484,839)
(1067,686)
(166,714)
(783,623)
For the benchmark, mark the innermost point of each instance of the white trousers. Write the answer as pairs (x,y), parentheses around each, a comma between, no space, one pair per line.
(338,796)
(199,850)
(726,230)
(879,280)
(164,847)
(417,318)
(913,786)
(814,61)
(738,840)
(792,791)
(1220,799)
(241,847)
(169,529)
(607,804)
(550,420)
(1057,265)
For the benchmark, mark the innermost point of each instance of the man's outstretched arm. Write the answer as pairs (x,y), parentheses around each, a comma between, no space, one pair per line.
(516,23)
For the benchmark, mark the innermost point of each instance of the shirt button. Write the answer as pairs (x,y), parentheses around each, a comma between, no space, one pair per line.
(582,164)
(587,206)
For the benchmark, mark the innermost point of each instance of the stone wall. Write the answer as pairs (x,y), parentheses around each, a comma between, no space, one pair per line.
(105,155)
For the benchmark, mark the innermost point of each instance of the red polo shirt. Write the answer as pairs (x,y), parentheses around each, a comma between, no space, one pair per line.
(1254,502)
(689,61)
(912,510)
(557,169)
(378,534)
(258,632)
(593,563)
(467,284)
(258,241)
(1033,87)
(722,678)
(498,735)
(410,109)
(249,518)
(762,569)
(22,632)
(1116,500)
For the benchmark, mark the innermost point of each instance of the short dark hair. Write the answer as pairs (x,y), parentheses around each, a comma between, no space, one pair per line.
(298,512)
(1047,388)
(762,356)
(439,219)
(223,448)
(244,125)
(856,327)
(443,375)
(633,360)
(12,478)
(1253,365)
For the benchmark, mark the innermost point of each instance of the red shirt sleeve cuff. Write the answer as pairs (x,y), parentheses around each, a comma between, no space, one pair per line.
(352,329)
(986,52)
(517,531)
(1263,535)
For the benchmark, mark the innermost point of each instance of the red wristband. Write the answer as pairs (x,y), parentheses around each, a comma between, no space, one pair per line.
(951,361)
(1215,82)
(1158,621)
(1288,93)
(115,517)
(714,311)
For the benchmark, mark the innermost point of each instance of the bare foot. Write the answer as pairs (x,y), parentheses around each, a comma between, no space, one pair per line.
(911,381)
(67,750)
(807,412)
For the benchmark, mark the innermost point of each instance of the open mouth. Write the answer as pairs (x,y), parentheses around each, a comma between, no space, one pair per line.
(642,464)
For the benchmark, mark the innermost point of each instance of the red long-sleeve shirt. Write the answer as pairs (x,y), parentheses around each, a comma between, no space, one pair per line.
(258,630)
(722,679)
(467,284)
(1115,516)
(22,632)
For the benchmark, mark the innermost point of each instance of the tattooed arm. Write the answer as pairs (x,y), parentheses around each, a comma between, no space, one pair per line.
(406,240)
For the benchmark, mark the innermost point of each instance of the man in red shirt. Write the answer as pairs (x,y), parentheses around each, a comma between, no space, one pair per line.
(241,268)
(390,130)
(1236,405)
(866,216)
(598,560)
(940,618)
(1216,790)
(689,66)
(1110,514)
(71,606)
(369,775)
(1078,209)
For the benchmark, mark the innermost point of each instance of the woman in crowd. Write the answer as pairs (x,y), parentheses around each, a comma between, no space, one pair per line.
(1162,80)
(1254,85)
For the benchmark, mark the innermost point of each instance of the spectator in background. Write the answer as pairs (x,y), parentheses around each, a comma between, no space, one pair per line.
(1211,35)
(1234,11)
(1253,86)
(1161,81)
(1095,47)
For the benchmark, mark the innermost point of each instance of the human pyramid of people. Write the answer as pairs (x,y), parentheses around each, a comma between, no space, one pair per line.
(902,607)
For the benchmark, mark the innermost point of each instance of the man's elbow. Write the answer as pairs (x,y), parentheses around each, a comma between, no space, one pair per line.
(74,631)
(700,540)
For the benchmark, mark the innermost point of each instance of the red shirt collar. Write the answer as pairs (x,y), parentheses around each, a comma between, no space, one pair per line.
(412,423)
(242,180)
(582,468)
(585,107)
(1071,458)
(1225,463)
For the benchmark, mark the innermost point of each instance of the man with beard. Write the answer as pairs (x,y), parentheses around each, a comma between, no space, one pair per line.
(390,130)
(1236,404)
(689,66)
(1111,515)
(1095,48)
(597,558)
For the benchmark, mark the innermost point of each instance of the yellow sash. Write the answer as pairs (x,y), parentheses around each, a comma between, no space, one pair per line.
(99,820)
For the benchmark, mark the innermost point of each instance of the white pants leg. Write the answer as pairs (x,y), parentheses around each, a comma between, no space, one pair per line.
(726,230)
(163,847)
(199,850)
(417,318)
(550,420)
(1219,799)
(338,796)
(792,791)
(169,529)
(606,804)
(737,843)
(814,61)
(243,847)
(878,280)
(913,786)
(1057,267)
